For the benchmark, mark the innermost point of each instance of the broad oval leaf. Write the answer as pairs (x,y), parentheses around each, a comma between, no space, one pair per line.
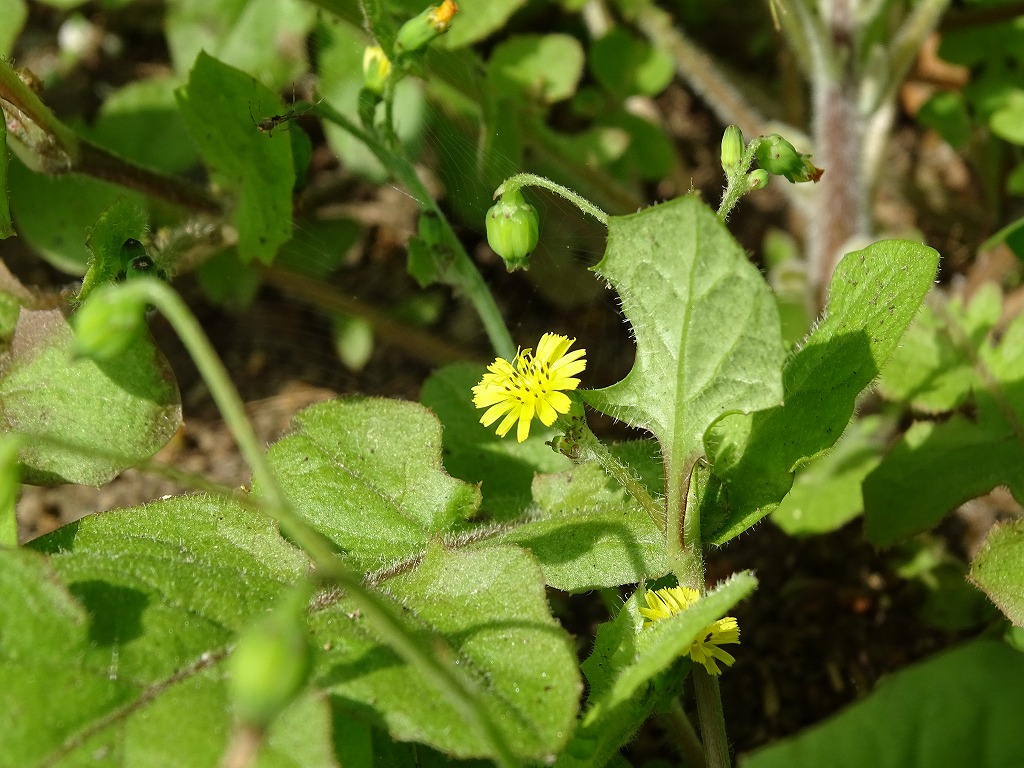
(367,473)
(997,569)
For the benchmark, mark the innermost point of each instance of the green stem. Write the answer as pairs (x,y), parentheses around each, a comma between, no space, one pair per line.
(513,183)
(463,273)
(682,730)
(592,449)
(331,568)
(711,717)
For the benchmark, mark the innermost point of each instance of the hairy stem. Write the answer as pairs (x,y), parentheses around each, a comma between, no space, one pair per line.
(711,718)
(520,180)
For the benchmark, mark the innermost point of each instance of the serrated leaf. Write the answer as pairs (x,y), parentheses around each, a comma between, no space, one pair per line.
(490,607)
(627,657)
(505,469)
(367,473)
(959,708)
(255,166)
(84,421)
(873,296)
(545,68)
(589,533)
(998,569)
(125,623)
(706,328)
(826,492)
(937,466)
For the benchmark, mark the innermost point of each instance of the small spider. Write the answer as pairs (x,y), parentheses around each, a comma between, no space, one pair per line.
(268,124)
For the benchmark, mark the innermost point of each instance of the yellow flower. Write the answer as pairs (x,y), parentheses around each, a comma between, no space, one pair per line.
(441,16)
(531,385)
(665,603)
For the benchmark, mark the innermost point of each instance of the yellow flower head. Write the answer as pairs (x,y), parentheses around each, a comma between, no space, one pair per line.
(531,385)
(664,603)
(441,16)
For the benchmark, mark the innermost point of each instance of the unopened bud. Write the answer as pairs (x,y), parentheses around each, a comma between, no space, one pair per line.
(418,31)
(732,149)
(513,229)
(108,322)
(779,157)
(376,69)
(271,664)
(757,179)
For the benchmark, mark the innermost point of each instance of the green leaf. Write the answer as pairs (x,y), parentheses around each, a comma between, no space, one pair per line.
(826,492)
(54,213)
(589,533)
(706,328)
(12,20)
(946,114)
(628,66)
(873,296)
(627,657)
(936,466)
(472,452)
(141,121)
(255,166)
(126,622)
(85,421)
(930,372)
(123,220)
(367,473)
(545,68)
(10,484)
(959,708)
(997,569)
(476,20)
(490,609)
(261,37)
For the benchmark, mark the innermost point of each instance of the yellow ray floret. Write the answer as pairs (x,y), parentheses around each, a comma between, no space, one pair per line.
(532,385)
(664,603)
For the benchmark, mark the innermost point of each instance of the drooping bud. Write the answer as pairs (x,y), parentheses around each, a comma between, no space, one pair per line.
(757,179)
(108,322)
(513,229)
(418,31)
(732,149)
(779,157)
(271,663)
(376,69)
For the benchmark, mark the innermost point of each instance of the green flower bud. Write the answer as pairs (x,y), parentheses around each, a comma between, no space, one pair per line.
(779,157)
(108,322)
(757,179)
(271,663)
(418,31)
(732,149)
(376,69)
(513,229)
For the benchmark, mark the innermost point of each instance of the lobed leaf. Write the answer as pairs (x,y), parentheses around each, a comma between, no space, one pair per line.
(873,296)
(706,328)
